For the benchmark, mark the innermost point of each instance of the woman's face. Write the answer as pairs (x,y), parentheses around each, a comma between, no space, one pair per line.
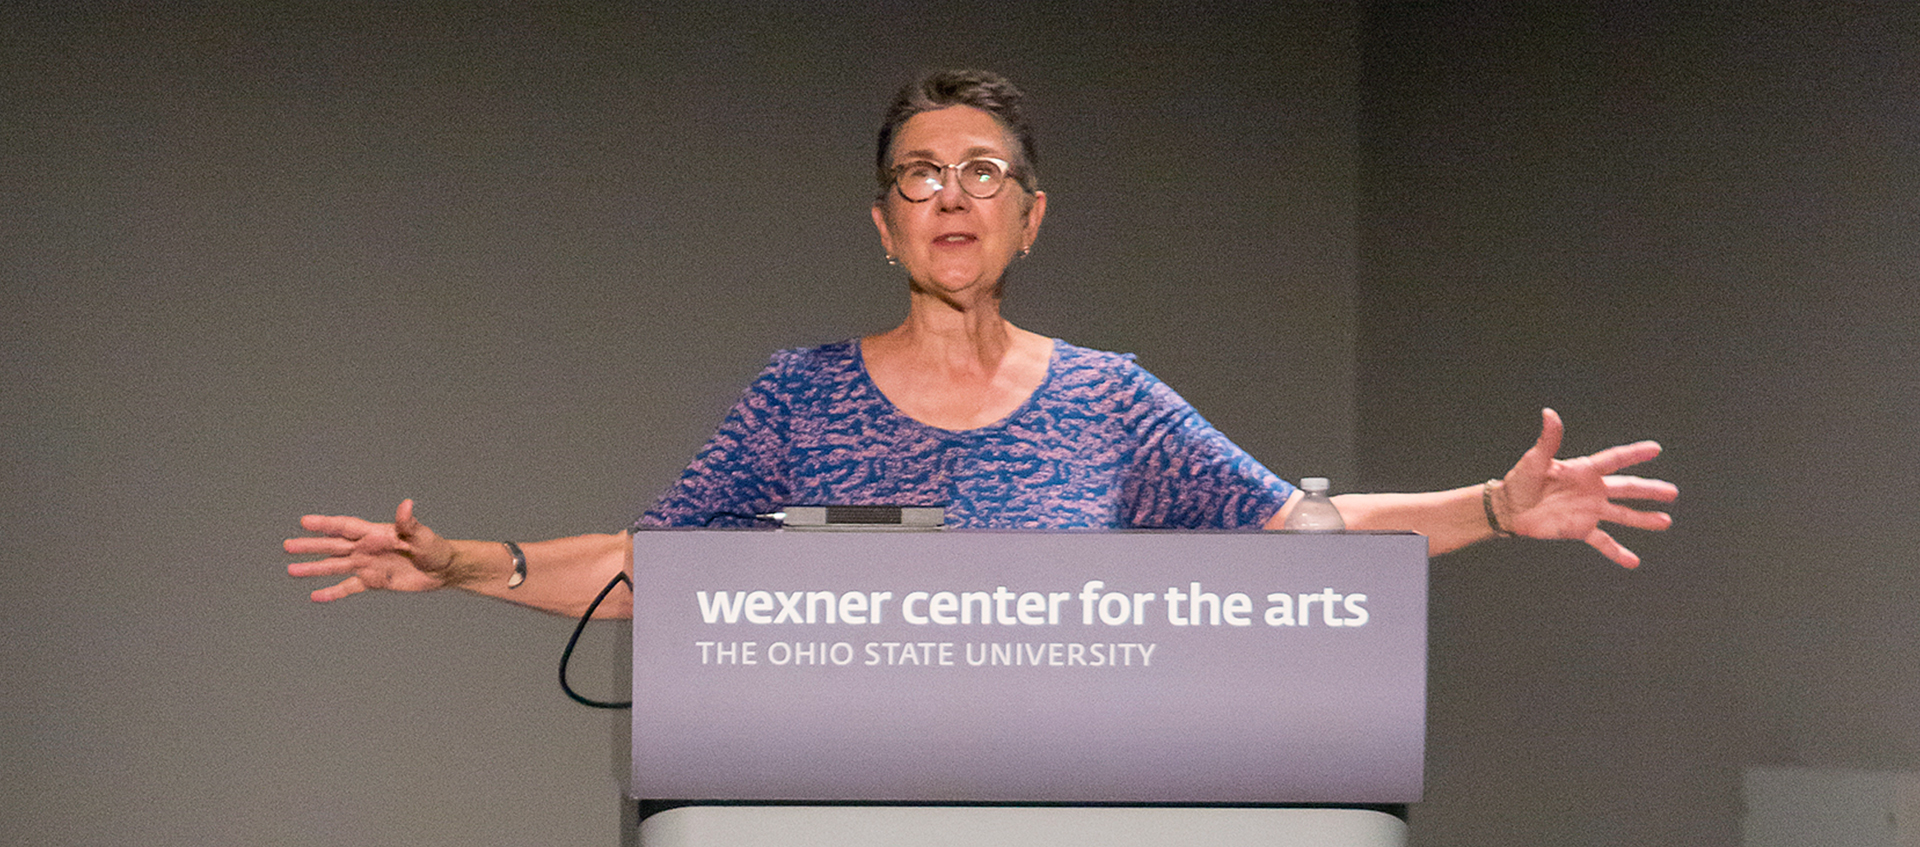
(954,243)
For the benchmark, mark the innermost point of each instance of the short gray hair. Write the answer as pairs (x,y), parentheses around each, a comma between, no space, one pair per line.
(983,90)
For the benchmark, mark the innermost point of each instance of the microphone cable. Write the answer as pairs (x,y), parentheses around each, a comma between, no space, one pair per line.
(567,655)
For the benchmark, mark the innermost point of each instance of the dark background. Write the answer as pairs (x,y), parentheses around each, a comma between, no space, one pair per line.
(1697,225)
(259,260)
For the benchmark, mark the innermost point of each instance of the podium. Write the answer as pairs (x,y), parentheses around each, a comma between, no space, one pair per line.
(1027,687)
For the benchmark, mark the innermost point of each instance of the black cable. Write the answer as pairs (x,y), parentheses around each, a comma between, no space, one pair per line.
(582,627)
(566,656)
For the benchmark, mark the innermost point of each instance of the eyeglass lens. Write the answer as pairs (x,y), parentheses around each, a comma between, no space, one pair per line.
(979,178)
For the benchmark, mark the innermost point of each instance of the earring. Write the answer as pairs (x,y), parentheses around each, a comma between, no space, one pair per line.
(1026,251)
(892,261)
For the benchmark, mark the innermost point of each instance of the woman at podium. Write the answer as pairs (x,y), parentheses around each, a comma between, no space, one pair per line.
(956,406)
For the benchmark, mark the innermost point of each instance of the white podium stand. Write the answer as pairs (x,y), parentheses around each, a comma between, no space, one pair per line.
(1226,688)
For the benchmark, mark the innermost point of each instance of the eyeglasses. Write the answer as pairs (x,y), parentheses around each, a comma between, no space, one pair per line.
(981,178)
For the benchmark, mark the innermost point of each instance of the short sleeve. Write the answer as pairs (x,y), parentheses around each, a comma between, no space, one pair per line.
(740,472)
(1185,474)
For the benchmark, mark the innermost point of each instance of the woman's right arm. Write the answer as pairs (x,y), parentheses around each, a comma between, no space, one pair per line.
(563,575)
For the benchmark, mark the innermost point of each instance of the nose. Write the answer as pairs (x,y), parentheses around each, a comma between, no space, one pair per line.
(950,195)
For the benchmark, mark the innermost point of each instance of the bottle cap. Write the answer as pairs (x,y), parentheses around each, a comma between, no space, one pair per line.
(1315,484)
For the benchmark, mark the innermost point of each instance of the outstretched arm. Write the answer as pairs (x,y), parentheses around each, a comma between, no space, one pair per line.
(1540,497)
(563,575)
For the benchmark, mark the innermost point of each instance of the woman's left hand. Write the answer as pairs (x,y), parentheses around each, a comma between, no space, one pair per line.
(1545,497)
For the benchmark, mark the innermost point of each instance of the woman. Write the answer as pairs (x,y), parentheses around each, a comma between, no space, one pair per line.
(956,406)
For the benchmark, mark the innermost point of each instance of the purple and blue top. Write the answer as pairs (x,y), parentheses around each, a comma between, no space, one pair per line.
(1101,444)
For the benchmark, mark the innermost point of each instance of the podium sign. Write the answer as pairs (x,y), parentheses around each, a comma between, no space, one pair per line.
(986,666)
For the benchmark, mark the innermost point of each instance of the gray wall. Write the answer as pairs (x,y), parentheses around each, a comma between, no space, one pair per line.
(1700,226)
(259,260)
(256,262)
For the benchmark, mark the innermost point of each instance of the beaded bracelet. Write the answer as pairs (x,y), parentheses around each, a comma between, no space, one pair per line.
(1486,502)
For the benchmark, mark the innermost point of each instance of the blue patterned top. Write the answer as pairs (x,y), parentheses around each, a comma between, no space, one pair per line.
(1101,444)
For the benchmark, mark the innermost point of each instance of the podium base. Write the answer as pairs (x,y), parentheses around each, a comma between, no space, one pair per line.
(1018,826)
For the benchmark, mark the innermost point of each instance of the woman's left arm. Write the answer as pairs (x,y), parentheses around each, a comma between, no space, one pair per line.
(1541,497)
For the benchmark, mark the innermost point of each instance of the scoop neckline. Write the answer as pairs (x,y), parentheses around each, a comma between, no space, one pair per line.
(1053,363)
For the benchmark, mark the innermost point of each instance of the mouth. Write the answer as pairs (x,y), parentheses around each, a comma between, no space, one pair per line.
(955,239)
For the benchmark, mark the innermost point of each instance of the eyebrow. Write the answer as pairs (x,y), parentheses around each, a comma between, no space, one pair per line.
(972,152)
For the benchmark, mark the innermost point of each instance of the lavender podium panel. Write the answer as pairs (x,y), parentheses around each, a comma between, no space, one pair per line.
(1029,666)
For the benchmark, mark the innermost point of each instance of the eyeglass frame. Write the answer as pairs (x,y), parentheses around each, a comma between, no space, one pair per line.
(1007,172)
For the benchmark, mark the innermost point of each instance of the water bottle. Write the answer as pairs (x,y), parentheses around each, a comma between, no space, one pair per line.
(1315,511)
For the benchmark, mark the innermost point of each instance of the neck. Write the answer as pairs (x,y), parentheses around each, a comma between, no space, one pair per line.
(967,336)
(956,368)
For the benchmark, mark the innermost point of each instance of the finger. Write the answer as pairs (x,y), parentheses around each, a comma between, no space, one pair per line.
(1552,430)
(323,545)
(1636,488)
(404,523)
(335,566)
(1614,458)
(338,526)
(344,588)
(1601,541)
(1654,521)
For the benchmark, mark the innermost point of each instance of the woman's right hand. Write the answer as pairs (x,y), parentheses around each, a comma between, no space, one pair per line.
(401,556)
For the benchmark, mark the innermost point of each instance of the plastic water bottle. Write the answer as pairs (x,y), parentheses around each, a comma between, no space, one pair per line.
(1315,511)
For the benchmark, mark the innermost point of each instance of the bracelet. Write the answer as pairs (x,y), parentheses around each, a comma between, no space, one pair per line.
(1493,520)
(520,564)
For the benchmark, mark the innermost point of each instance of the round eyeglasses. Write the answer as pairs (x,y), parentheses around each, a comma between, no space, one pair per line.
(980,178)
